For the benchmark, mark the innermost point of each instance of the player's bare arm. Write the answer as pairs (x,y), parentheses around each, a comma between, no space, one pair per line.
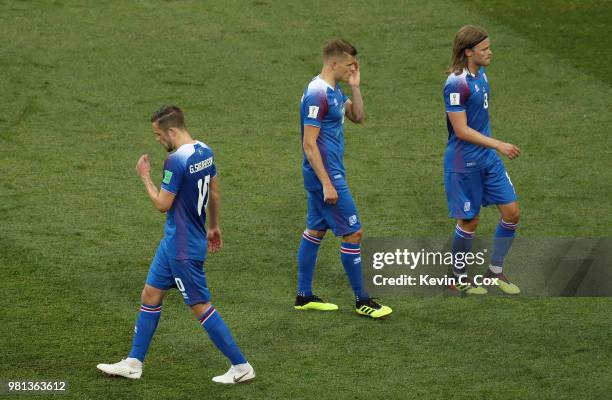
(311,133)
(464,132)
(354,108)
(162,199)
(215,241)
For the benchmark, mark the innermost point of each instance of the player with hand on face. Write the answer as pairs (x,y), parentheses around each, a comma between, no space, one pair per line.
(330,204)
(189,191)
(474,175)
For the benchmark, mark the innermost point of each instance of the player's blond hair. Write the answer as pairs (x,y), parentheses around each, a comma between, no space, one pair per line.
(338,47)
(466,38)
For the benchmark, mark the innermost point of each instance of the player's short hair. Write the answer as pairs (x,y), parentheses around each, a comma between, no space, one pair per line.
(466,38)
(338,47)
(169,117)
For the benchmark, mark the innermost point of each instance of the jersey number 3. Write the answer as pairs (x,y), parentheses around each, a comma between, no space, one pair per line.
(203,193)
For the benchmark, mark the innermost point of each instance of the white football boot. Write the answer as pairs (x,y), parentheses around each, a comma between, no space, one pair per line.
(240,373)
(130,368)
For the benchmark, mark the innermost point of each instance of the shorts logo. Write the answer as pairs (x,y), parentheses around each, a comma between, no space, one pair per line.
(313,111)
(357,260)
(454,99)
(167,177)
(352,220)
(466,206)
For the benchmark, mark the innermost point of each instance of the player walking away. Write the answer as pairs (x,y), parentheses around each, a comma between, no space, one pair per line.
(330,205)
(189,185)
(474,175)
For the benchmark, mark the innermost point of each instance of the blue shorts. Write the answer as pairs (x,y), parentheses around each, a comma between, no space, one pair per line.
(341,218)
(466,192)
(186,275)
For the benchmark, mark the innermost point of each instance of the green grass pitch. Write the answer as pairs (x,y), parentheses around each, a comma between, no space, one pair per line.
(78,82)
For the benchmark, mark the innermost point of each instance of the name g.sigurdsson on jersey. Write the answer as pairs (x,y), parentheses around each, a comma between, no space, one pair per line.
(193,168)
(434,259)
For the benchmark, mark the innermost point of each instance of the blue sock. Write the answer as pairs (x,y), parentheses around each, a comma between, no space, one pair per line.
(146,323)
(221,336)
(462,243)
(350,254)
(307,259)
(502,240)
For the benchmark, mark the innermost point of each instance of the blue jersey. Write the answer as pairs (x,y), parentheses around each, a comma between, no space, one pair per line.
(469,93)
(187,174)
(323,106)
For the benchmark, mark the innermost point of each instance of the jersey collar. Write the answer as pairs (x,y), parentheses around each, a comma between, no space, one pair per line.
(468,73)
(325,82)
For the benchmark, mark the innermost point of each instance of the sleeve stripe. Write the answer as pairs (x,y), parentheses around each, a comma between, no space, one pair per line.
(164,187)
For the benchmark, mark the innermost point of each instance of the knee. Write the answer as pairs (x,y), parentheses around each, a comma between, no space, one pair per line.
(151,296)
(318,234)
(199,309)
(354,237)
(146,298)
(469,225)
(512,216)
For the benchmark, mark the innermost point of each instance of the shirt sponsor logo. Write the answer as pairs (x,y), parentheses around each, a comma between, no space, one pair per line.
(454,99)
(167,177)
(313,111)
(193,168)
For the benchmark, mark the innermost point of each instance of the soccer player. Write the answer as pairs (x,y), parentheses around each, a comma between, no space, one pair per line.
(474,175)
(189,189)
(330,205)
